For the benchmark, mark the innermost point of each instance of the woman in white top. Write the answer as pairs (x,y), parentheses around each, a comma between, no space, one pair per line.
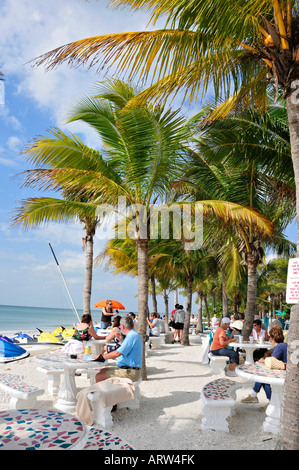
(258,331)
(154,324)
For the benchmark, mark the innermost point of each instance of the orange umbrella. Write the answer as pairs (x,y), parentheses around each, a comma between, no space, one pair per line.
(115,304)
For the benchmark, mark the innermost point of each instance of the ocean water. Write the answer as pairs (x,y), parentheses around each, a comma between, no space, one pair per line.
(14,319)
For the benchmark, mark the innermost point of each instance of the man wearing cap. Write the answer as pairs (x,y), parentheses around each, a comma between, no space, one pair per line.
(219,346)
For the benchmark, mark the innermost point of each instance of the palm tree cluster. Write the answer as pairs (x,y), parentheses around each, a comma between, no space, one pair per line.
(235,164)
(151,157)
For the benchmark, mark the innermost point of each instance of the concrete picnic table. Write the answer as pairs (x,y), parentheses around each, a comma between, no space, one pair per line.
(250,348)
(68,391)
(260,373)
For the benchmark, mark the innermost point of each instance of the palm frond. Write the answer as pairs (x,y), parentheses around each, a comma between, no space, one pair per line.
(40,211)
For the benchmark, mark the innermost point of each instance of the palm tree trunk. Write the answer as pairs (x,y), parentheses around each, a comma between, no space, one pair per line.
(251,294)
(185,340)
(199,313)
(288,438)
(176,296)
(166,312)
(224,297)
(207,309)
(154,297)
(88,272)
(143,277)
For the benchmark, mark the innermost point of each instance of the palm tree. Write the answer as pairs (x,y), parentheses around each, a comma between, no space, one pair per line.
(61,153)
(143,145)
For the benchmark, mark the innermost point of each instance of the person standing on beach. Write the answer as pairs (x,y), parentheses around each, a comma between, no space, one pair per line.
(179,319)
(107,313)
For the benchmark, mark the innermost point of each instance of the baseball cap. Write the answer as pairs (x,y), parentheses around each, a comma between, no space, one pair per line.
(225,320)
(237,324)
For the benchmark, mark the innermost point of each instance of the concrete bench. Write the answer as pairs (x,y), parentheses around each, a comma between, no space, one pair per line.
(218,399)
(102,414)
(154,342)
(53,375)
(22,394)
(218,364)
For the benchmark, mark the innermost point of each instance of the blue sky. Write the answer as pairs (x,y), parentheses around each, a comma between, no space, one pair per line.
(34,101)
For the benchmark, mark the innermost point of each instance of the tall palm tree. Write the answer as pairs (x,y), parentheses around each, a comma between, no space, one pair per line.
(143,145)
(61,154)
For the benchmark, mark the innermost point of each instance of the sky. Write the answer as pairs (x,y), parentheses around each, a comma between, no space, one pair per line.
(31,102)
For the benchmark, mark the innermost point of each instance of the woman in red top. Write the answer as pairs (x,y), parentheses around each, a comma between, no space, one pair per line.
(219,346)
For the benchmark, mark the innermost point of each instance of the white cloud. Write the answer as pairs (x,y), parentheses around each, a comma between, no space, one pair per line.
(14,143)
(7,162)
(33,27)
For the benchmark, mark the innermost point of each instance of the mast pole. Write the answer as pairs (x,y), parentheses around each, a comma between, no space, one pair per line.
(64,282)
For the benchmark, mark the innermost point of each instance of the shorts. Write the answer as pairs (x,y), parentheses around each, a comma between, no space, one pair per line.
(112,347)
(132,374)
(179,326)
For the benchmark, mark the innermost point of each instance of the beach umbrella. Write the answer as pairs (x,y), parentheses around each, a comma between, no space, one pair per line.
(115,304)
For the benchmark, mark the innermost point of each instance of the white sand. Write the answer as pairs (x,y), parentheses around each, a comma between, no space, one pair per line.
(170,415)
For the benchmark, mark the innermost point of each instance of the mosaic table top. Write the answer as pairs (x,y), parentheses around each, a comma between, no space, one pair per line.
(262,372)
(99,439)
(39,429)
(59,359)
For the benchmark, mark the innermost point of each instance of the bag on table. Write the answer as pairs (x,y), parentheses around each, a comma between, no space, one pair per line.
(274,363)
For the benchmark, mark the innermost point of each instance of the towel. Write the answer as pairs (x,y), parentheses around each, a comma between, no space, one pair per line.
(111,391)
(73,346)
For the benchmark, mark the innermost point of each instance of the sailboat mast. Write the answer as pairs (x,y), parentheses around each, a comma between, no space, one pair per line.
(59,269)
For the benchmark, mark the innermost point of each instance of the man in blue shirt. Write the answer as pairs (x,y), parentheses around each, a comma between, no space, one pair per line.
(128,356)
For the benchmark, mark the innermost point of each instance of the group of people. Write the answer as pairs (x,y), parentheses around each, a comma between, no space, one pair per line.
(126,349)
(224,336)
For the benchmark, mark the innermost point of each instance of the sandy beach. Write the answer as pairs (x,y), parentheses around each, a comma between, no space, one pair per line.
(170,415)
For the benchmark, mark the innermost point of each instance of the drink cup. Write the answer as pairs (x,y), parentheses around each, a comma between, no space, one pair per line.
(261,341)
(86,348)
(251,339)
(240,339)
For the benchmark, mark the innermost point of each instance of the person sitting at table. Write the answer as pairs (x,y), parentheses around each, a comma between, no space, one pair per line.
(128,356)
(279,352)
(115,335)
(84,331)
(257,333)
(219,346)
(154,324)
